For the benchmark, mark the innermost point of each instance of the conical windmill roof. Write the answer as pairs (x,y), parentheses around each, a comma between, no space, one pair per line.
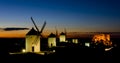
(52,35)
(32,32)
(62,33)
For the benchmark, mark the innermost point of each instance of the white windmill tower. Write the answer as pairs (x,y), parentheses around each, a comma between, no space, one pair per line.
(52,40)
(33,38)
(62,36)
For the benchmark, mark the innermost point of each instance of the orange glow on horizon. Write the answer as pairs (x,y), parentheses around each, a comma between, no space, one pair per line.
(17,34)
(13,34)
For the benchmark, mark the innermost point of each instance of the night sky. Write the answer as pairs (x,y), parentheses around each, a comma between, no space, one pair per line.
(74,15)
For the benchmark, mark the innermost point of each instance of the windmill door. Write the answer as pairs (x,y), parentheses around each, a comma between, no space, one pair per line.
(51,45)
(32,48)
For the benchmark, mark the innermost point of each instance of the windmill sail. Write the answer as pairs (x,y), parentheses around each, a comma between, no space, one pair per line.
(56,32)
(39,32)
(43,27)
(35,24)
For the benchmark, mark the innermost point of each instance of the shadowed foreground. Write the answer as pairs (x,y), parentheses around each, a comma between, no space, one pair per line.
(67,54)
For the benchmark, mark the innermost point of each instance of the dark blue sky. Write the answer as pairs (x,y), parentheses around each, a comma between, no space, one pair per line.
(74,15)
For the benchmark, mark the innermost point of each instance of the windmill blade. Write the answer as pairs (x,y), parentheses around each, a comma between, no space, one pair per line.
(43,27)
(34,24)
(65,31)
(56,32)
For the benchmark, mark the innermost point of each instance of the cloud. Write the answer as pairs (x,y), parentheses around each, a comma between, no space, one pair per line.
(12,29)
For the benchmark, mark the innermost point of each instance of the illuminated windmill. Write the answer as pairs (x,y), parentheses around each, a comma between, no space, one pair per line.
(33,38)
(62,36)
(52,40)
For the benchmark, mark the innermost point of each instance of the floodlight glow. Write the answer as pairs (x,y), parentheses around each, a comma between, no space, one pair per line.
(107,49)
(23,50)
(53,50)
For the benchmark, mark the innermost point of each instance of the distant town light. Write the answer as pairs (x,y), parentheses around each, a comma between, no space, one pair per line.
(75,41)
(87,44)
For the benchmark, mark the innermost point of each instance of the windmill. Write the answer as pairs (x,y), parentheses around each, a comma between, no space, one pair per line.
(62,37)
(52,40)
(33,38)
(38,32)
